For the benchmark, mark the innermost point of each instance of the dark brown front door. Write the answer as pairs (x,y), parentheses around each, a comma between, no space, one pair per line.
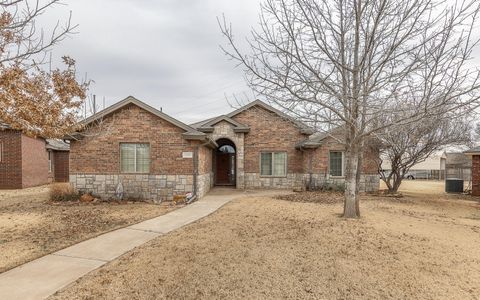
(224,169)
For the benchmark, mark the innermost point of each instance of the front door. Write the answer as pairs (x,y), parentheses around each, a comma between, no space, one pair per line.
(225,164)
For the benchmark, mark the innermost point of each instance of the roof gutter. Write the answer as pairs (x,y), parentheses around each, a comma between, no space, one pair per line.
(307,145)
(236,130)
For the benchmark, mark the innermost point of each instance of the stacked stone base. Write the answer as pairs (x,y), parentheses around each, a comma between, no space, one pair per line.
(300,181)
(205,183)
(368,182)
(163,187)
(291,181)
(140,187)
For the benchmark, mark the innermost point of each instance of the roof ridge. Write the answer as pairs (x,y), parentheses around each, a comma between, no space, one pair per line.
(305,128)
(132,100)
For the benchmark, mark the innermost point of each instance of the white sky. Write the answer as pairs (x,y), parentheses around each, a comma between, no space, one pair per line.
(165,53)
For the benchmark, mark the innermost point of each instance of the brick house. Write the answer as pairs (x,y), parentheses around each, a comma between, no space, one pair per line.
(155,156)
(26,161)
(474,153)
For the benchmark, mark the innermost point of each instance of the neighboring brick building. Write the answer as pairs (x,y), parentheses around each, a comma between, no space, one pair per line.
(474,153)
(27,161)
(155,156)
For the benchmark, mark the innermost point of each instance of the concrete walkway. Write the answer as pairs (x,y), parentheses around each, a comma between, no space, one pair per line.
(42,277)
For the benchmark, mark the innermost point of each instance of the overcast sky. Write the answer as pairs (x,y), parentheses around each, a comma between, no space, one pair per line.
(165,53)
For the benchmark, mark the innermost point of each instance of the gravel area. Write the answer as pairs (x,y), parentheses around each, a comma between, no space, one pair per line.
(422,247)
(31,226)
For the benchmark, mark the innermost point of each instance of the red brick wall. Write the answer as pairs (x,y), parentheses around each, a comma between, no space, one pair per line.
(370,160)
(321,155)
(476,175)
(61,166)
(205,160)
(34,162)
(11,160)
(320,159)
(270,132)
(99,151)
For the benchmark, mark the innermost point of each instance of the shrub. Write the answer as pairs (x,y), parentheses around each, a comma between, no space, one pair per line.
(327,187)
(63,192)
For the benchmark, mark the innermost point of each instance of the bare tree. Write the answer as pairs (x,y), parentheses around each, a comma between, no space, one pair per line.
(348,62)
(414,143)
(33,97)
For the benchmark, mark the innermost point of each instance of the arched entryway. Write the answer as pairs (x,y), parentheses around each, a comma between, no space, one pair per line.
(225,161)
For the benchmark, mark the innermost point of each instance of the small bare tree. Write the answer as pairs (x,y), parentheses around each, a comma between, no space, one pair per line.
(414,143)
(32,99)
(349,62)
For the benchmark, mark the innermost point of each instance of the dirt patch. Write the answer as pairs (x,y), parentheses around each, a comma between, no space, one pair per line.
(31,226)
(259,247)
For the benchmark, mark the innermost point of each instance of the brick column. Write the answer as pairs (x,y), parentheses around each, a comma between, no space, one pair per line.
(476,175)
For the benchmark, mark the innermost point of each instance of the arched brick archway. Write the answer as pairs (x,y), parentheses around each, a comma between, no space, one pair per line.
(225,163)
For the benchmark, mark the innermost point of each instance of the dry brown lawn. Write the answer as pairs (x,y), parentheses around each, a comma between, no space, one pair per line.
(424,187)
(31,226)
(415,247)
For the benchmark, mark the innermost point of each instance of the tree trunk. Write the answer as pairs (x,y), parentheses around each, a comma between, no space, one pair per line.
(396,184)
(351,208)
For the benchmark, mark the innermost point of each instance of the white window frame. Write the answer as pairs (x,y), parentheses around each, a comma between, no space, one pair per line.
(135,158)
(343,164)
(273,164)
(50,161)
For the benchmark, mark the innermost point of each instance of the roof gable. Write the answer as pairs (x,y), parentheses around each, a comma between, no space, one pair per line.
(303,128)
(132,100)
(317,139)
(237,126)
(189,134)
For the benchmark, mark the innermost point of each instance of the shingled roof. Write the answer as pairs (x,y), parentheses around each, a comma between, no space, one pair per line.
(206,124)
(57,145)
(189,134)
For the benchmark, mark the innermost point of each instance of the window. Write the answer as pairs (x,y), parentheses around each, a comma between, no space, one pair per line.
(226,149)
(1,152)
(336,163)
(49,161)
(135,158)
(273,164)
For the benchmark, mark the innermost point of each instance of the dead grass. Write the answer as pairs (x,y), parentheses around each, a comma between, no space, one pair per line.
(422,187)
(63,192)
(259,247)
(32,226)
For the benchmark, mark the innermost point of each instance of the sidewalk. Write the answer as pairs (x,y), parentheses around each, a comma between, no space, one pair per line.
(42,277)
